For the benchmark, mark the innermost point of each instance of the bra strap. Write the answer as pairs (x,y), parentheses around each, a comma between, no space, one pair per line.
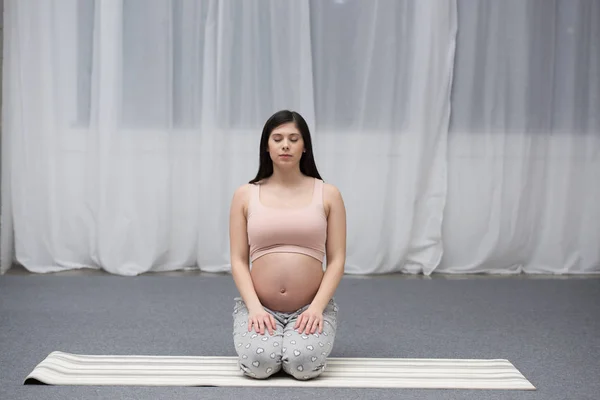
(254,202)
(318,192)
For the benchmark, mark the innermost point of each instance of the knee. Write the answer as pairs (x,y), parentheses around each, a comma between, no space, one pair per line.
(305,367)
(259,366)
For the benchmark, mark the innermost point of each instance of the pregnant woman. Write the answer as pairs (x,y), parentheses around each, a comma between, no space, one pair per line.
(283,225)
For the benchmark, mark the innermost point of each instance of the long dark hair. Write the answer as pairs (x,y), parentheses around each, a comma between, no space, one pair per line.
(307,161)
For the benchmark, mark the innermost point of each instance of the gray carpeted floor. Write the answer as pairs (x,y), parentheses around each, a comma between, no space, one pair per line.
(549,329)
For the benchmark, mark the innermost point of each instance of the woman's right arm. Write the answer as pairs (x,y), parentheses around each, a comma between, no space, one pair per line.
(240,264)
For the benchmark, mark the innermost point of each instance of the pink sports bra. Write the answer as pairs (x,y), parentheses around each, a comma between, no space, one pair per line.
(284,230)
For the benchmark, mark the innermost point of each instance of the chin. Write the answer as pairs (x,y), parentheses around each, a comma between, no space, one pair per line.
(286,164)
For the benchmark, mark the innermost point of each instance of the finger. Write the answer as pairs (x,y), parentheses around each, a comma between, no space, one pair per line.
(311,329)
(298,321)
(303,323)
(268,326)
(250,322)
(308,325)
(313,326)
(261,326)
(273,324)
(321,326)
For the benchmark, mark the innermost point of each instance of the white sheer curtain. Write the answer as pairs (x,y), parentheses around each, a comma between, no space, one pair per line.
(132,122)
(524,146)
(127,125)
(383,72)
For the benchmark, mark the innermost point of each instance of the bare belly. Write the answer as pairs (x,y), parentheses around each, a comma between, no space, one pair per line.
(286,281)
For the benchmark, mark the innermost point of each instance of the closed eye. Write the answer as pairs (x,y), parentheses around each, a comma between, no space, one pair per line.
(292,139)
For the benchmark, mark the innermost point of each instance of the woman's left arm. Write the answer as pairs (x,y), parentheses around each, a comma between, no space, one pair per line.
(336,247)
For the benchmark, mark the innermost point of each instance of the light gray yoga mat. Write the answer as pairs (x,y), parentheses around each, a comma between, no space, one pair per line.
(60,368)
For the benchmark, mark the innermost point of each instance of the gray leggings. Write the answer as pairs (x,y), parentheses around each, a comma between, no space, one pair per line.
(300,355)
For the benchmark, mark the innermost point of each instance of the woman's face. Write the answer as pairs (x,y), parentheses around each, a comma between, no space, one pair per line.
(286,145)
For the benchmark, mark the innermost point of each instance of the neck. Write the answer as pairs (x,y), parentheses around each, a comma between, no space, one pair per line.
(287,177)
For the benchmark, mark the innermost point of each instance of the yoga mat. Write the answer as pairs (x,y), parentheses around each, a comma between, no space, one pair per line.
(60,368)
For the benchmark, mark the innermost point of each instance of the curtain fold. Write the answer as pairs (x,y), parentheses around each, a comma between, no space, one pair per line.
(382,94)
(525,139)
(463,135)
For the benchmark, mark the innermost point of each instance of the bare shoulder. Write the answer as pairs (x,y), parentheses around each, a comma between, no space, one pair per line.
(331,192)
(332,197)
(241,197)
(243,191)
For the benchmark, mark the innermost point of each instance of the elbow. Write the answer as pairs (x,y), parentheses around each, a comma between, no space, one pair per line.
(239,265)
(337,265)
